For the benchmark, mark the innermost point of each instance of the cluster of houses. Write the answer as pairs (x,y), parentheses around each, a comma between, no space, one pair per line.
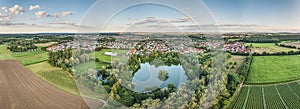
(146,45)
(83,45)
(236,47)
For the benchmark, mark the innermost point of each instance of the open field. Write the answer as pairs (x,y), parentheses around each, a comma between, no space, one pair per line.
(35,57)
(55,76)
(45,44)
(105,58)
(296,44)
(91,64)
(273,69)
(20,89)
(280,96)
(239,60)
(268,47)
(5,53)
(26,58)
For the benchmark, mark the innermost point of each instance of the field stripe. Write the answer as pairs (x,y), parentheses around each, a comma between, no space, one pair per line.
(263,92)
(293,91)
(245,103)
(281,98)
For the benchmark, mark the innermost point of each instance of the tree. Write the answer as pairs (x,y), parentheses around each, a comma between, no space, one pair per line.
(163,75)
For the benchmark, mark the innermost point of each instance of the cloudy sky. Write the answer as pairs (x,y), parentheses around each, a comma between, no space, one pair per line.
(39,16)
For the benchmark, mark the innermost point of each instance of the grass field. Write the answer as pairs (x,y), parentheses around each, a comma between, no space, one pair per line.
(55,76)
(238,59)
(35,57)
(280,96)
(91,64)
(273,69)
(267,47)
(5,53)
(105,58)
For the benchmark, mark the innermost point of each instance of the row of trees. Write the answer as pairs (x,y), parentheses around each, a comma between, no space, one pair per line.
(287,46)
(22,46)
(66,58)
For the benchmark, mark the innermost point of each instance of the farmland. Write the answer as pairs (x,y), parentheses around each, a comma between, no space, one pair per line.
(31,92)
(5,53)
(55,76)
(296,44)
(268,47)
(274,69)
(278,96)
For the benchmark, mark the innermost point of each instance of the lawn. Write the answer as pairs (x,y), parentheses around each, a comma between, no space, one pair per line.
(268,47)
(55,76)
(82,67)
(106,58)
(273,69)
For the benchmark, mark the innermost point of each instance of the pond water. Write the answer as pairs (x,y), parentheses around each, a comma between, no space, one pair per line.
(147,76)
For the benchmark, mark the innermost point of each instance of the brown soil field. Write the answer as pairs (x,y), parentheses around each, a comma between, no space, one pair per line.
(20,89)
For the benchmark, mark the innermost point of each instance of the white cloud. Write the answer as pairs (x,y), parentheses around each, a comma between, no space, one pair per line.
(5,18)
(151,20)
(34,7)
(41,14)
(4,9)
(16,9)
(66,13)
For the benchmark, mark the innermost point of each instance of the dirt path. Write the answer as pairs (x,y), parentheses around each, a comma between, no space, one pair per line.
(20,89)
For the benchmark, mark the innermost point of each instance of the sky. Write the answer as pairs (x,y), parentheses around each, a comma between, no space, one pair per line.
(55,16)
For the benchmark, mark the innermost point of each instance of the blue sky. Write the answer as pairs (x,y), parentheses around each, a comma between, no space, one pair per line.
(35,16)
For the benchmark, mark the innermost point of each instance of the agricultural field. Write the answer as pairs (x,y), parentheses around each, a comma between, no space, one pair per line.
(26,58)
(32,58)
(55,76)
(274,69)
(20,89)
(278,96)
(296,44)
(268,47)
(5,53)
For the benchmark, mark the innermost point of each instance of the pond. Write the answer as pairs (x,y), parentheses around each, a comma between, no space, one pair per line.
(147,76)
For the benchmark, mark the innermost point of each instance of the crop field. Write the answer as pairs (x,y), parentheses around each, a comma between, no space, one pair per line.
(20,89)
(55,76)
(35,57)
(268,47)
(274,69)
(280,96)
